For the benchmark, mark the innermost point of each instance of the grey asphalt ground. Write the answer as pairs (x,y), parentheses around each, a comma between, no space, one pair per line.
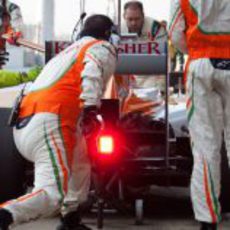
(117,222)
(165,209)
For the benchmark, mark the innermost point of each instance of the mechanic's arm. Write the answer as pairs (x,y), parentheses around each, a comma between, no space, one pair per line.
(100,62)
(10,78)
(177,27)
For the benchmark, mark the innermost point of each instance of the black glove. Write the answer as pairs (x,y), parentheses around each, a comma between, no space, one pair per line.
(90,121)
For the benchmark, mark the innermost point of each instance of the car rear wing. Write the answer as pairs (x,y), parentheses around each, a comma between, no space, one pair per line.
(141,64)
(145,58)
(141,58)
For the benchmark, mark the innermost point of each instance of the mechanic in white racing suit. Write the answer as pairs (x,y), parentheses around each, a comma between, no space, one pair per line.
(202,30)
(144,91)
(11,21)
(67,91)
(11,24)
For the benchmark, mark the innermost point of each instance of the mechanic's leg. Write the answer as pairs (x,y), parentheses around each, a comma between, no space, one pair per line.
(79,183)
(226,95)
(205,114)
(78,188)
(44,142)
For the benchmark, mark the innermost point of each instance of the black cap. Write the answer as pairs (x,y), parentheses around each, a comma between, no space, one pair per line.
(98,26)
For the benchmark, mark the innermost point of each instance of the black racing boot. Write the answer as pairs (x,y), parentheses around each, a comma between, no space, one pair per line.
(72,221)
(208,226)
(6,219)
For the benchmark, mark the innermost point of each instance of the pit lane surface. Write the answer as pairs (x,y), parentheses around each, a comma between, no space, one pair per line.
(165,209)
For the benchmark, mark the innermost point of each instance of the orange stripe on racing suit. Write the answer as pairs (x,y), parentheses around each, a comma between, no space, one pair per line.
(61,98)
(61,95)
(200,43)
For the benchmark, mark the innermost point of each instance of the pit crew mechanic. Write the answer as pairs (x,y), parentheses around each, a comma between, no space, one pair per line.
(11,21)
(201,29)
(147,29)
(69,87)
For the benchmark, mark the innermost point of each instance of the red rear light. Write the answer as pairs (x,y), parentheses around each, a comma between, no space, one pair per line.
(106,144)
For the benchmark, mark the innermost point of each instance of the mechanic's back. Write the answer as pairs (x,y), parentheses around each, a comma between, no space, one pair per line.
(57,83)
(207,29)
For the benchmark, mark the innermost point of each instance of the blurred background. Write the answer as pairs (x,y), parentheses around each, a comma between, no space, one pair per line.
(55,20)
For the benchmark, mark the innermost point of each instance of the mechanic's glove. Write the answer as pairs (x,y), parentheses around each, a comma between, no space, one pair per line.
(13,37)
(91,122)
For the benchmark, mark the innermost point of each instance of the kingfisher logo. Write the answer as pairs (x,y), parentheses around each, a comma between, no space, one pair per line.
(139,48)
(127,47)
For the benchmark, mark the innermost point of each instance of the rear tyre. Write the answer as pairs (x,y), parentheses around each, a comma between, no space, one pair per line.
(12,165)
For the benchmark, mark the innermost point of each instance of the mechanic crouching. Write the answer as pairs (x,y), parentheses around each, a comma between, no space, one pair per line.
(201,29)
(68,90)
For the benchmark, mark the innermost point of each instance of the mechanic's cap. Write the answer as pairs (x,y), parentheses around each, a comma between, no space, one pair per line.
(98,26)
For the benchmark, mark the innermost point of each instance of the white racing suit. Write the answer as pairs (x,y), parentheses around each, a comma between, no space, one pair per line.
(11,22)
(80,180)
(73,79)
(16,21)
(201,29)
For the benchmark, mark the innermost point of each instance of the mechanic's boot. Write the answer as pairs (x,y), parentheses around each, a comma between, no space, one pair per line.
(208,226)
(6,219)
(72,221)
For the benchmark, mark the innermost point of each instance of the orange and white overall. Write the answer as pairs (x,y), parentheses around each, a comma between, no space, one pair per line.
(202,29)
(73,79)
(13,23)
